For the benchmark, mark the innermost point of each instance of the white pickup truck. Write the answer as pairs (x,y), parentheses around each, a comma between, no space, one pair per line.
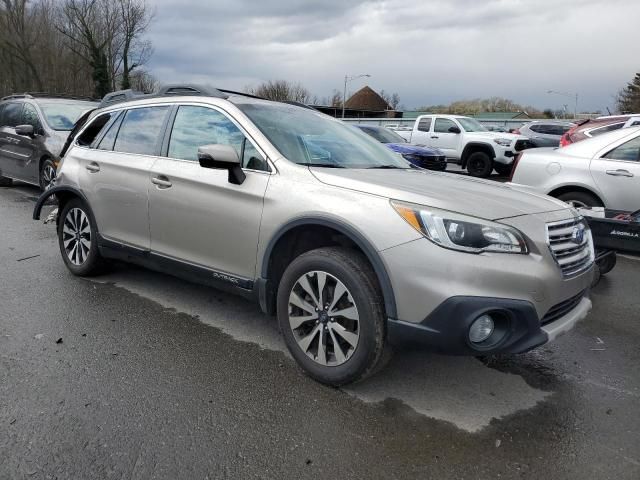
(467,142)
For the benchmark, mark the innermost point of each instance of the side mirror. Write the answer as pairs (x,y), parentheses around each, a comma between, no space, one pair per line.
(222,157)
(454,129)
(25,130)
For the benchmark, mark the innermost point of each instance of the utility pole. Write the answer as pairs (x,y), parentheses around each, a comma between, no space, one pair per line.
(347,79)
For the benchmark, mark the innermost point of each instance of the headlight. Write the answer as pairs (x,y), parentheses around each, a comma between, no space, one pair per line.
(505,142)
(461,232)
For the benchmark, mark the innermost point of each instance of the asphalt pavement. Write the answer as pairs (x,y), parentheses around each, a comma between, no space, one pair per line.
(139,375)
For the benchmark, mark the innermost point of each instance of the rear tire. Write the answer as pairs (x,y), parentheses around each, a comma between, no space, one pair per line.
(479,164)
(580,199)
(607,263)
(343,341)
(502,169)
(78,239)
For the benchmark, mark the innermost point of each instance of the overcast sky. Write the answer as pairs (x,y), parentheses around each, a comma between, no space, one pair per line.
(428,51)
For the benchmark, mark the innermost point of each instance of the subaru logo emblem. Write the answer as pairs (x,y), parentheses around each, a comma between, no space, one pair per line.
(578,235)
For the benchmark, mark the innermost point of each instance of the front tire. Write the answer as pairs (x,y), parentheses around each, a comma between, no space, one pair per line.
(479,164)
(331,315)
(78,240)
(580,199)
(47,174)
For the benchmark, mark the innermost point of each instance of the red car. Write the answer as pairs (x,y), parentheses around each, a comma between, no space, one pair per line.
(593,127)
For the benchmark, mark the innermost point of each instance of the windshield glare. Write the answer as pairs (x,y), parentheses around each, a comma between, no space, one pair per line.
(471,125)
(63,116)
(383,135)
(307,137)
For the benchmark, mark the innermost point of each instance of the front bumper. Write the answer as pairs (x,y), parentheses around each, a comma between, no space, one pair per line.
(519,330)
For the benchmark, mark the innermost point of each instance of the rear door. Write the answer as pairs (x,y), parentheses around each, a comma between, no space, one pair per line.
(14,148)
(421,134)
(196,215)
(616,172)
(114,172)
(443,139)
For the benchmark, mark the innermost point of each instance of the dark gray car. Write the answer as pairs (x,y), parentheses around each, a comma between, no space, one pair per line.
(32,133)
(545,133)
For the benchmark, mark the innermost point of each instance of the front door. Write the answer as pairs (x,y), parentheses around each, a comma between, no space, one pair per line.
(617,175)
(14,148)
(28,165)
(196,215)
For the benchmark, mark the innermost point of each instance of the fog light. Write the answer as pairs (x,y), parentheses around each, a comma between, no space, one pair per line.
(481,329)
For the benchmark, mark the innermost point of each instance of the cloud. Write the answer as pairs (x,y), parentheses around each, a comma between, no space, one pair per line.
(429,51)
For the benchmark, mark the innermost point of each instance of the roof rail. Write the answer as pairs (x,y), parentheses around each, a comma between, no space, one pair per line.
(189,89)
(15,95)
(244,94)
(119,96)
(299,104)
(46,95)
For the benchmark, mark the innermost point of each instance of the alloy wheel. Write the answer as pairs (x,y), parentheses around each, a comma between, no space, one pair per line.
(48,176)
(76,236)
(324,318)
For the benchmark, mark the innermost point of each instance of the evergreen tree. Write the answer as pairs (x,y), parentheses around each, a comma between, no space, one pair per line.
(629,97)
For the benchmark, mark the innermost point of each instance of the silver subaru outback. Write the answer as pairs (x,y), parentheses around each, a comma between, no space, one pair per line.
(352,247)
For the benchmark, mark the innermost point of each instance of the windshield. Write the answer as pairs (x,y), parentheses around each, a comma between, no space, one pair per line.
(63,116)
(471,125)
(307,137)
(383,135)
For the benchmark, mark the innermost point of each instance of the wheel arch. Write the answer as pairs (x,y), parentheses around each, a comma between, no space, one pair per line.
(325,231)
(473,147)
(575,188)
(63,193)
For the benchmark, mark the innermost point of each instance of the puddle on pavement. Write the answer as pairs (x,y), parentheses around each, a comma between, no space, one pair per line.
(459,390)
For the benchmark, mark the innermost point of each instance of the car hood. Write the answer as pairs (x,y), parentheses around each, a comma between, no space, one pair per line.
(414,149)
(466,195)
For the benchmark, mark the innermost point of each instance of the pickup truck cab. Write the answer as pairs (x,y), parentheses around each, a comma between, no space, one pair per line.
(467,142)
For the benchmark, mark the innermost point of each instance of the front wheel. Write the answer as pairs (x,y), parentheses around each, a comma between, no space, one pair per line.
(77,238)
(479,164)
(331,314)
(47,174)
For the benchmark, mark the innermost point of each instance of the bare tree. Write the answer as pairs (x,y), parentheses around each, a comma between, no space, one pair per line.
(281,91)
(392,100)
(143,81)
(135,52)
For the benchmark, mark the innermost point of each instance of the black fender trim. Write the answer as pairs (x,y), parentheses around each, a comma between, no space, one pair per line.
(52,191)
(470,146)
(353,234)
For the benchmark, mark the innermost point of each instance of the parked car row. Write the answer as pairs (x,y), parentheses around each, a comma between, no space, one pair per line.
(345,241)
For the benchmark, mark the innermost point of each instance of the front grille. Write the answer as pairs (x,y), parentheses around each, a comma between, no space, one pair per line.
(523,145)
(562,308)
(571,245)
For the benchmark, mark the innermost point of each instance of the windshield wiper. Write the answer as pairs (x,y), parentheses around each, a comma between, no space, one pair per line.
(325,165)
(385,167)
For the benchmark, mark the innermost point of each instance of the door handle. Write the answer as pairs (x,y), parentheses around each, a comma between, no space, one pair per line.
(93,167)
(620,173)
(434,136)
(161,181)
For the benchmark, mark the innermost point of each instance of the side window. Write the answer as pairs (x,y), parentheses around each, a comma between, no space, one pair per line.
(197,126)
(536,128)
(140,131)
(30,117)
(629,151)
(12,114)
(109,138)
(424,125)
(635,123)
(443,125)
(608,128)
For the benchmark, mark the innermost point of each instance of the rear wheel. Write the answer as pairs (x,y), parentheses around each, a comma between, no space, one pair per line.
(479,164)
(330,312)
(580,199)
(47,174)
(502,169)
(607,263)
(77,238)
